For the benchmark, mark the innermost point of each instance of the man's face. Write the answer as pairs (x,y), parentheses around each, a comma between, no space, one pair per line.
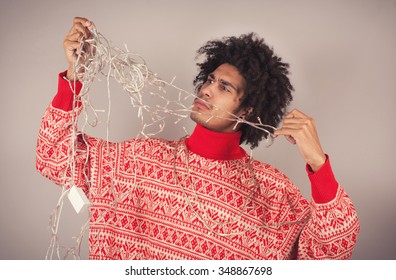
(219,96)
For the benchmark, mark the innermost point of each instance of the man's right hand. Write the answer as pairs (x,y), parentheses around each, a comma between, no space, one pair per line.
(71,44)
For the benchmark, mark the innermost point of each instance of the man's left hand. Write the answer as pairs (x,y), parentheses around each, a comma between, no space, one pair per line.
(300,129)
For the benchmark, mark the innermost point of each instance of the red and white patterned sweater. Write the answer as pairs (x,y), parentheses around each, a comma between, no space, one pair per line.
(198,198)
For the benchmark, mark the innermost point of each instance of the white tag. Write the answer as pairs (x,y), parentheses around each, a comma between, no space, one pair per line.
(78,199)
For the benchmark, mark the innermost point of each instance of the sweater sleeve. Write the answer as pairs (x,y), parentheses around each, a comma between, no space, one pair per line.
(331,230)
(323,183)
(332,227)
(325,227)
(64,98)
(54,151)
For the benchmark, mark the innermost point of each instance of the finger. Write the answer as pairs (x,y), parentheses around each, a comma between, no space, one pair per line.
(300,120)
(287,133)
(294,121)
(297,114)
(81,29)
(297,130)
(83,21)
(71,46)
(291,139)
(289,115)
(87,24)
(75,37)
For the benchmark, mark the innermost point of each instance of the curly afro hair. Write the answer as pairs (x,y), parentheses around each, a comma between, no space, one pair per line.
(268,89)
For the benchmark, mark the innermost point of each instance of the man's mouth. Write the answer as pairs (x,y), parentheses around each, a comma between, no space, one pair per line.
(201,104)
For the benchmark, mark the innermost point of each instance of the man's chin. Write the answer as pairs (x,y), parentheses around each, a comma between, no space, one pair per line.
(198,118)
(194,116)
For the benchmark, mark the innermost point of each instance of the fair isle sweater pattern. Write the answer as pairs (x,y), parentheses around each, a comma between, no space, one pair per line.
(147,202)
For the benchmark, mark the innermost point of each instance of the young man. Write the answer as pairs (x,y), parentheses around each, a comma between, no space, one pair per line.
(203,197)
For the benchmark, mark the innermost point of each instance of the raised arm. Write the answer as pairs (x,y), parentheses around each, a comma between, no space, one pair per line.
(61,152)
(332,229)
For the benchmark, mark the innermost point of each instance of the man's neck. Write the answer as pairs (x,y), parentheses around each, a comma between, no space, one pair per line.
(215,145)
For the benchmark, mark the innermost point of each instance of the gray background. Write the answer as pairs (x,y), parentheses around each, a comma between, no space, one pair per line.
(343,64)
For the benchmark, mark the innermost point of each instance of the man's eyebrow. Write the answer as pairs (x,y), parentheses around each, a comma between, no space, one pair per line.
(224,82)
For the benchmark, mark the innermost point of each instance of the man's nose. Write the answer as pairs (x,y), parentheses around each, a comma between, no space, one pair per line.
(208,90)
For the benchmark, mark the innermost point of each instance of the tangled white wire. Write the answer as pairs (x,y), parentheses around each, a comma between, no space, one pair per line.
(97,58)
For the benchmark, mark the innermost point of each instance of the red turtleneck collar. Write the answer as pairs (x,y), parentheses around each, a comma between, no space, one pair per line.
(215,145)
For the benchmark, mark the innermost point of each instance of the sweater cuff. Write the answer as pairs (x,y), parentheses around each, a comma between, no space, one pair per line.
(64,97)
(323,183)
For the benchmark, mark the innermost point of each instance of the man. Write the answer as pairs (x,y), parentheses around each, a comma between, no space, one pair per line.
(203,197)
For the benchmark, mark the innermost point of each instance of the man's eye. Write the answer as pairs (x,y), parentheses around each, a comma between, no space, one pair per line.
(225,88)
